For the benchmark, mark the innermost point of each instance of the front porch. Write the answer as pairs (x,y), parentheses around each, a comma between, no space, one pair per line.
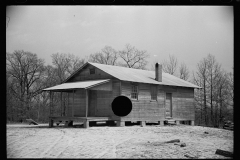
(80,103)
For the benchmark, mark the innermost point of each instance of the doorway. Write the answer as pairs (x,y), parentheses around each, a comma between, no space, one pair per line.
(92,103)
(168,105)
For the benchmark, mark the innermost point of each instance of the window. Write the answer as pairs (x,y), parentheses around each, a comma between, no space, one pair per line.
(153,92)
(92,71)
(134,93)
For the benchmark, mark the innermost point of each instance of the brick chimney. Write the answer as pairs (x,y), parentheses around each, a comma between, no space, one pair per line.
(158,72)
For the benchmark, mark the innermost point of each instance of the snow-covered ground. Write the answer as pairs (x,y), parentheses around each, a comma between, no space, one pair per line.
(29,141)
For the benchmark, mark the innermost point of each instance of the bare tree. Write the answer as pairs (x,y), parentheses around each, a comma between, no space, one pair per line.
(183,72)
(213,72)
(230,81)
(65,65)
(133,58)
(226,90)
(200,79)
(11,101)
(24,70)
(221,97)
(171,65)
(215,99)
(108,56)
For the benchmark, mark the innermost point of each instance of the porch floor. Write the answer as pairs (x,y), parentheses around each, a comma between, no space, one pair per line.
(79,119)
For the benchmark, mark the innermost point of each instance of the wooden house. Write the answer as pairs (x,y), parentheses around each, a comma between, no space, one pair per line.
(154,95)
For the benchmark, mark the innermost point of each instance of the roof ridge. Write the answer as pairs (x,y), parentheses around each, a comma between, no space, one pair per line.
(122,67)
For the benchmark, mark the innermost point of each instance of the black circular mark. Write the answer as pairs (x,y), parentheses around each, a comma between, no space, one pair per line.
(196,1)
(20,1)
(137,1)
(108,1)
(121,106)
(79,1)
(50,1)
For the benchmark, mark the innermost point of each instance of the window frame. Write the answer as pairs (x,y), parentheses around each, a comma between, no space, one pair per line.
(154,90)
(134,95)
(92,69)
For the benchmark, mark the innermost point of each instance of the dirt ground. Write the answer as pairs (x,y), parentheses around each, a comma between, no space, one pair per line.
(29,141)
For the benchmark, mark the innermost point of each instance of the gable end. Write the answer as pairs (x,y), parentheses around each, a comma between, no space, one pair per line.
(89,72)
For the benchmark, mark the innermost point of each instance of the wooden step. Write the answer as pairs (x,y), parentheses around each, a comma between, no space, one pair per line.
(31,121)
(172,122)
(168,118)
(68,123)
(58,123)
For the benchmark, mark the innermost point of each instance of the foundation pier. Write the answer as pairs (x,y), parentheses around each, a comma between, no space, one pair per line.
(142,123)
(120,123)
(86,124)
(192,123)
(50,123)
(161,123)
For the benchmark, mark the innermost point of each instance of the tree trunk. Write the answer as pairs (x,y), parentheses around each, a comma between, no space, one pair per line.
(220,109)
(204,99)
(216,116)
(201,109)
(211,100)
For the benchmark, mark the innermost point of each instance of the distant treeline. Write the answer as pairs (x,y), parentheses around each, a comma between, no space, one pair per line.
(27,75)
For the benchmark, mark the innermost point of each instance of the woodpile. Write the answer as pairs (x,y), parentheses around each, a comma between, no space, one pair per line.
(224,153)
(173,141)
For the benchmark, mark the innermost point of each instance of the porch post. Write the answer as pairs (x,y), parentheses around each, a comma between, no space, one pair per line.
(73,105)
(50,106)
(86,103)
(50,111)
(51,103)
(61,105)
(67,110)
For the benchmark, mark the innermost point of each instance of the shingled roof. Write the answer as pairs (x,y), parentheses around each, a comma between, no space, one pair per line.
(138,75)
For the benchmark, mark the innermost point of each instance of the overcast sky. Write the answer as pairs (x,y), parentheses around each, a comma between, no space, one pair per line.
(189,33)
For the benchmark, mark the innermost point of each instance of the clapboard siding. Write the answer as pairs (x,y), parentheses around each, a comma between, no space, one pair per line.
(126,89)
(185,109)
(144,91)
(115,88)
(116,85)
